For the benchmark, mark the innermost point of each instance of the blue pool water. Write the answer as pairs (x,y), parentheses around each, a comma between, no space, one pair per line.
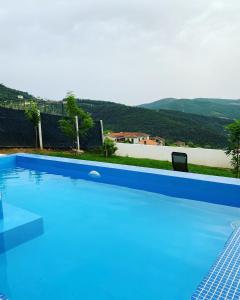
(105,242)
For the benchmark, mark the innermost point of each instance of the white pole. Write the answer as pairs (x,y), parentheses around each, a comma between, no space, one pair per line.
(40,132)
(102,134)
(77,134)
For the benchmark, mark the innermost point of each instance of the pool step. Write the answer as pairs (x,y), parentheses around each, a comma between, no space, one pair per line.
(223,279)
(18,226)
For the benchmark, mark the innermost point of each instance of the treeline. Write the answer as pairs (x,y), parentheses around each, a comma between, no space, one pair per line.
(171,125)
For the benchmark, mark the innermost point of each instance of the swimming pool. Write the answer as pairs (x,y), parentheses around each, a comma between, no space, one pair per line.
(133,233)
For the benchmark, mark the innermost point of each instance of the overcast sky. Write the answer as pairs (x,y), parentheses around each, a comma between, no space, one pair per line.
(128,51)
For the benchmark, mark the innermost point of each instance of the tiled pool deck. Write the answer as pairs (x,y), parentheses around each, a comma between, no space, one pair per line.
(223,279)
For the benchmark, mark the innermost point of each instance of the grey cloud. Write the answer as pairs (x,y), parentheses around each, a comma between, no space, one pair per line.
(127,51)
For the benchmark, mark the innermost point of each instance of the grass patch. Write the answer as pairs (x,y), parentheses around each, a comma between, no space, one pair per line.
(141,162)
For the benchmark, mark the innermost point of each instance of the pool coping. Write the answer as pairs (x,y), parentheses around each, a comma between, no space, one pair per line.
(202,177)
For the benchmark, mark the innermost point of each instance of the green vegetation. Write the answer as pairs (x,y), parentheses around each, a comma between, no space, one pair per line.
(234,146)
(109,147)
(8,95)
(11,98)
(33,115)
(68,123)
(171,125)
(223,108)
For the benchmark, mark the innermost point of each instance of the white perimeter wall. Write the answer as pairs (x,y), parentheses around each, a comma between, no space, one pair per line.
(198,156)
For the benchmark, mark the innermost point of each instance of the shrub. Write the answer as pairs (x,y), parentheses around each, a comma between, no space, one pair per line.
(109,147)
(67,124)
(234,146)
(33,115)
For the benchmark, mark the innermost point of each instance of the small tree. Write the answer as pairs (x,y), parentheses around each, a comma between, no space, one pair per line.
(109,147)
(191,144)
(33,115)
(234,146)
(68,123)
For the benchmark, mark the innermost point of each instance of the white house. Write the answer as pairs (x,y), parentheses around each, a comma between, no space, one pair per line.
(129,137)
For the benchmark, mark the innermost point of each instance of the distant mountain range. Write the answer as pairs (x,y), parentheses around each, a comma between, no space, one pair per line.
(222,108)
(171,125)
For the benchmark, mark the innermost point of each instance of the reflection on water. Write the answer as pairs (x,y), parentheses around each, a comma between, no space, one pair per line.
(9,173)
(36,176)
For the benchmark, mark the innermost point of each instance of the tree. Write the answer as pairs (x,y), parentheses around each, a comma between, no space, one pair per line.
(191,144)
(233,148)
(33,115)
(109,147)
(68,123)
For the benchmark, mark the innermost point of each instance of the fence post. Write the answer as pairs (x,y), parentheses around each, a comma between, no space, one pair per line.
(101,128)
(40,132)
(77,133)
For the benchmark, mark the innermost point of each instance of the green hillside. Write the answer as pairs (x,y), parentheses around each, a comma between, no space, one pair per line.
(223,108)
(173,126)
(7,94)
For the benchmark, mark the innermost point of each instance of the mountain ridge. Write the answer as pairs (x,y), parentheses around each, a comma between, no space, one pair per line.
(222,108)
(171,125)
